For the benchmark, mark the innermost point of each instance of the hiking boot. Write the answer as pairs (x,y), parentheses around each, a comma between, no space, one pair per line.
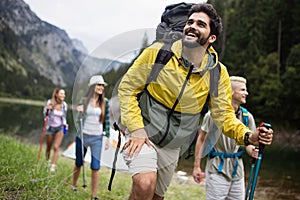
(52,168)
(74,188)
(95,198)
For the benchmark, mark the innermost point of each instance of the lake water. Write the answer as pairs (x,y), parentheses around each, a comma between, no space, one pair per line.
(279,176)
(27,122)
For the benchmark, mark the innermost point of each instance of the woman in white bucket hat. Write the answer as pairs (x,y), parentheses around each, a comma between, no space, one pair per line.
(97,79)
(94,117)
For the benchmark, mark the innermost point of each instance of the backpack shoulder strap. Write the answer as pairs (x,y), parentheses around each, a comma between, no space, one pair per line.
(163,56)
(245,115)
(213,88)
(214,80)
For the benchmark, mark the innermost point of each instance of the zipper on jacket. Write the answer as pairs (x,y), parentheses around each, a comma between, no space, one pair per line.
(175,104)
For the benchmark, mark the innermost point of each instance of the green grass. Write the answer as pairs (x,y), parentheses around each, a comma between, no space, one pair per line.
(21,177)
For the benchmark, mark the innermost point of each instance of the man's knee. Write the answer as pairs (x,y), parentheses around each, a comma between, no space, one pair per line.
(144,182)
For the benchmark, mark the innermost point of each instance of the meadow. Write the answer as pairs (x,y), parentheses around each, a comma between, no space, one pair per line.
(22,177)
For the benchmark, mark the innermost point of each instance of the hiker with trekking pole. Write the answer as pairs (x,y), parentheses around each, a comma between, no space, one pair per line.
(55,113)
(163,92)
(93,119)
(224,171)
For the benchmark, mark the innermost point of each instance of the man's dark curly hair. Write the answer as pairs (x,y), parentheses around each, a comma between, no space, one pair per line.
(215,20)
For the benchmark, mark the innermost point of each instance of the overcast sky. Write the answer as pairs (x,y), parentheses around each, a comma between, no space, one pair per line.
(96,21)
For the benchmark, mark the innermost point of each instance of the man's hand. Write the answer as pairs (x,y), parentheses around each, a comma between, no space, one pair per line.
(198,175)
(262,135)
(252,151)
(136,142)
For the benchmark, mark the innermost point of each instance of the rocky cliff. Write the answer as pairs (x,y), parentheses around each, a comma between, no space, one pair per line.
(37,52)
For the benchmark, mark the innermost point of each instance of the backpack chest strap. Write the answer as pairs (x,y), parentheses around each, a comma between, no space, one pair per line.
(223,155)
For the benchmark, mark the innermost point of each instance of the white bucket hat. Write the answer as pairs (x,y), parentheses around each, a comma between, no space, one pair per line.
(97,79)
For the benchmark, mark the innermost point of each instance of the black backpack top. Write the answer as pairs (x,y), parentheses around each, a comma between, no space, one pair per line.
(168,31)
(172,22)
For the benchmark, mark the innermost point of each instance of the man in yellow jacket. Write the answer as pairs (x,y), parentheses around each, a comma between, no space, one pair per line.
(162,118)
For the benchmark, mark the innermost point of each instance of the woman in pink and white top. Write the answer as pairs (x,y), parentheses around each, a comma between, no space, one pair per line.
(56,110)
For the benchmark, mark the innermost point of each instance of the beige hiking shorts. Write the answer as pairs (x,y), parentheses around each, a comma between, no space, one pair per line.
(155,159)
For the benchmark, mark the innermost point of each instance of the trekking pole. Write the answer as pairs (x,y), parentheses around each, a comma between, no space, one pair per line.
(258,162)
(113,170)
(82,150)
(43,135)
(253,160)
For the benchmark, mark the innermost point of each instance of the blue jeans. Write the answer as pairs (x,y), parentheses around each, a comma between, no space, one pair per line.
(95,144)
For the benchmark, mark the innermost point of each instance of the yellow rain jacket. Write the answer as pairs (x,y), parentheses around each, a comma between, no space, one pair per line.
(152,110)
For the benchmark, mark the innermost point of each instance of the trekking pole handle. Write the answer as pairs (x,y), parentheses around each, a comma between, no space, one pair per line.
(264,124)
(268,126)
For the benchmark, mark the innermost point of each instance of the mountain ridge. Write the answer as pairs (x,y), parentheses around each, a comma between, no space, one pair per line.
(39,54)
